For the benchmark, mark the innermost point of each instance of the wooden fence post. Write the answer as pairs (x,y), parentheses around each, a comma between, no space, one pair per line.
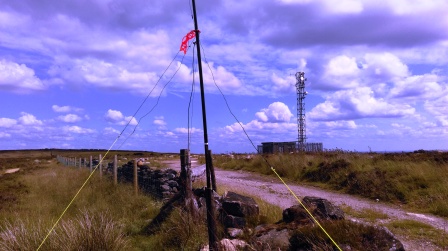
(135,178)
(90,164)
(115,169)
(185,172)
(85,162)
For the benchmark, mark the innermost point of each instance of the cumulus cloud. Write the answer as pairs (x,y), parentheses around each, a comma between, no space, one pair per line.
(7,122)
(357,103)
(77,129)
(110,130)
(29,119)
(18,78)
(4,135)
(70,118)
(116,117)
(273,119)
(65,109)
(276,112)
(186,130)
(439,108)
(283,85)
(160,121)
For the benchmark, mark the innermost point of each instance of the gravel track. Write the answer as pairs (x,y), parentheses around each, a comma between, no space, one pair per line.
(273,191)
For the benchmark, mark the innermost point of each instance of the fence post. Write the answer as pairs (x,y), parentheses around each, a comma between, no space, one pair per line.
(85,162)
(100,166)
(135,178)
(90,164)
(115,169)
(80,162)
(185,172)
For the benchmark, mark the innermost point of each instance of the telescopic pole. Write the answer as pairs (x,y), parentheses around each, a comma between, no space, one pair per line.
(211,222)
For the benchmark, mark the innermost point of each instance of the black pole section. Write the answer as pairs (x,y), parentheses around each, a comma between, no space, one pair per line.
(211,222)
(212,172)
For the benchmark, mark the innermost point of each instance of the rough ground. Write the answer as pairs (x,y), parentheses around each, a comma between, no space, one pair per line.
(273,191)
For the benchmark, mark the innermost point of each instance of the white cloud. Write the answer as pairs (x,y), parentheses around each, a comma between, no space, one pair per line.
(283,85)
(342,124)
(425,86)
(70,118)
(272,120)
(276,112)
(114,115)
(77,129)
(110,130)
(29,119)
(7,122)
(18,78)
(65,109)
(185,130)
(4,135)
(357,103)
(385,66)
(160,121)
(118,118)
(438,108)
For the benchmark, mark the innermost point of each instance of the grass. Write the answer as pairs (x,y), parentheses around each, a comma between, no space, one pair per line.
(418,230)
(366,214)
(111,216)
(418,181)
(345,233)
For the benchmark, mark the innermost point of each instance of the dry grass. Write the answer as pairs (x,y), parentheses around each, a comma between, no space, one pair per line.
(111,217)
(414,180)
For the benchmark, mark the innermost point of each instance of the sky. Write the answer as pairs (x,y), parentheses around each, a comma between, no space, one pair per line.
(103,74)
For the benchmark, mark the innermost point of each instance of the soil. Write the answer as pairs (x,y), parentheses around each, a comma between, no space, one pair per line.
(273,191)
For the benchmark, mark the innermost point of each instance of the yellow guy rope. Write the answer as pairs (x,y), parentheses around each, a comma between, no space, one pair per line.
(297,198)
(77,193)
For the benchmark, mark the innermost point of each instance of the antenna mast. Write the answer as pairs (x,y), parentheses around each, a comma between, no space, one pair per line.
(211,221)
(301,93)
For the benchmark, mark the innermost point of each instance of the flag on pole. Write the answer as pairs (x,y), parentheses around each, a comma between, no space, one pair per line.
(184,44)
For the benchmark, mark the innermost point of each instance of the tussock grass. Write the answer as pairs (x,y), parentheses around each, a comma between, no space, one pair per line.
(345,233)
(419,230)
(88,231)
(366,214)
(419,180)
(103,216)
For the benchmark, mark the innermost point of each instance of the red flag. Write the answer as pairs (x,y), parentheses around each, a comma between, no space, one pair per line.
(184,44)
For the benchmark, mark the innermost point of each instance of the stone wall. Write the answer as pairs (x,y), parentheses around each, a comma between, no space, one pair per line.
(162,184)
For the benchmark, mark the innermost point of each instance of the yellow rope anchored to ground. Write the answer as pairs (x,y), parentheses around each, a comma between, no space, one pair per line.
(306,209)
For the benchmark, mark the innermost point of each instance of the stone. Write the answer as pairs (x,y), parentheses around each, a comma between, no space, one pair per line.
(320,208)
(229,245)
(172,183)
(239,205)
(272,240)
(324,208)
(234,232)
(231,221)
(165,187)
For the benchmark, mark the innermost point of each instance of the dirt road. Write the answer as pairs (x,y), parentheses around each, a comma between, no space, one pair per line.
(273,191)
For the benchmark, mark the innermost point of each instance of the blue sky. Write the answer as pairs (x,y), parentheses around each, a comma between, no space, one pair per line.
(73,73)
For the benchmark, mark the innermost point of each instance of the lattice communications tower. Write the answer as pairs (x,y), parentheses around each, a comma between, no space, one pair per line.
(301,123)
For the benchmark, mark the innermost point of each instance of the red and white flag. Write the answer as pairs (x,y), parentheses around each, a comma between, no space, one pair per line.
(184,44)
